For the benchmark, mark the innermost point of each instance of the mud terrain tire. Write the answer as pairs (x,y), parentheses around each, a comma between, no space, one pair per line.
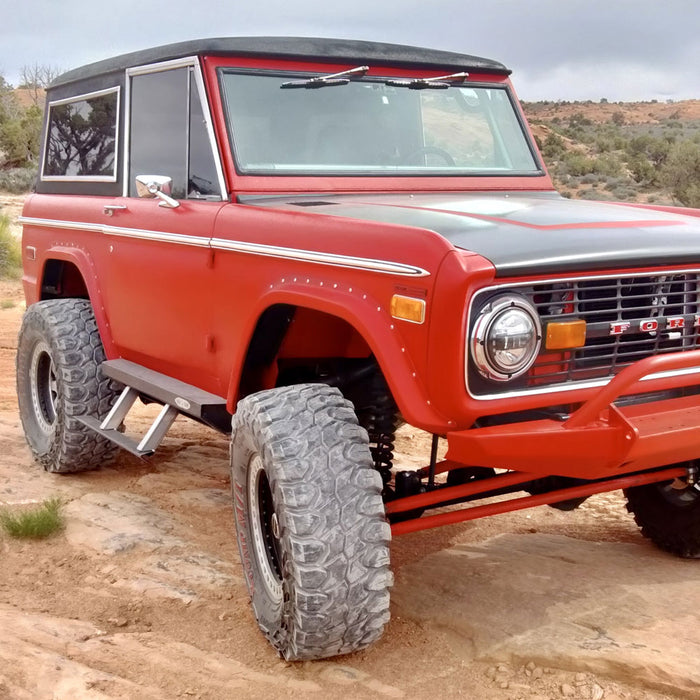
(59,354)
(312,536)
(669,515)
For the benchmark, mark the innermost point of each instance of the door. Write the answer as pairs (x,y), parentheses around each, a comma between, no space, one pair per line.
(157,285)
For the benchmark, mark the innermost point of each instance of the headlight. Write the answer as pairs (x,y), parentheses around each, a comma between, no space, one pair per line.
(505,338)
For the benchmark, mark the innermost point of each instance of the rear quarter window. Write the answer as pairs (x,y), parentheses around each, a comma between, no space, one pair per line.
(81,138)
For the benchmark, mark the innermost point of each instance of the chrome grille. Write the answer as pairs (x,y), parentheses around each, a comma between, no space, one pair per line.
(610,304)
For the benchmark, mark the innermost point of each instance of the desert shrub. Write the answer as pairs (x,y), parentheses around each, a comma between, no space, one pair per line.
(596,195)
(577,164)
(609,165)
(553,146)
(10,254)
(681,173)
(33,523)
(639,145)
(642,170)
(604,143)
(611,181)
(624,193)
(591,179)
(579,120)
(17,180)
(655,150)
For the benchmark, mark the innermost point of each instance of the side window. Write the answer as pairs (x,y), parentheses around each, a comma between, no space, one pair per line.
(158,141)
(169,135)
(81,138)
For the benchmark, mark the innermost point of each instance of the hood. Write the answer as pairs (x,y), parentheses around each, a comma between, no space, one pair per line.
(524,233)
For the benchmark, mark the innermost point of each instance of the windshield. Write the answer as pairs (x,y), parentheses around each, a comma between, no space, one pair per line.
(366,127)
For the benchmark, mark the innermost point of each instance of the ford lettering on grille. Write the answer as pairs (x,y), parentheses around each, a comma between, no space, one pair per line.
(627,319)
(651,325)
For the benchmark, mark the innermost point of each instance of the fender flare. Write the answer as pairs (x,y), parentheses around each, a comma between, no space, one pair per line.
(85,265)
(372,321)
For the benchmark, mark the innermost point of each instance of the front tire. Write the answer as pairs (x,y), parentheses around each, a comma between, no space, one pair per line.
(59,353)
(668,513)
(310,522)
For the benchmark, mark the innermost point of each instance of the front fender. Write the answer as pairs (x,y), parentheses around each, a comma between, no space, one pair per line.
(373,321)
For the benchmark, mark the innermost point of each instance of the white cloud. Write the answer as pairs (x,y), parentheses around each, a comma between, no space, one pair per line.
(558,49)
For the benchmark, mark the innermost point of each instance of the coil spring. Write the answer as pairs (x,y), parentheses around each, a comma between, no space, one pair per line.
(379,419)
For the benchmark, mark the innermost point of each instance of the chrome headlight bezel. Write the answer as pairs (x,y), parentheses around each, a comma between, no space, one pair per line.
(485,324)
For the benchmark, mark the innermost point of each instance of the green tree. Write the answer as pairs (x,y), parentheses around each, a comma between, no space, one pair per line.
(19,138)
(642,170)
(645,157)
(20,130)
(681,173)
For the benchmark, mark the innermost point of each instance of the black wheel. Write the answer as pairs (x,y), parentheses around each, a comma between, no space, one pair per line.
(312,536)
(59,353)
(668,513)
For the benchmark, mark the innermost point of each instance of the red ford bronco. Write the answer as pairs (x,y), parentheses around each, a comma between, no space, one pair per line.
(306,242)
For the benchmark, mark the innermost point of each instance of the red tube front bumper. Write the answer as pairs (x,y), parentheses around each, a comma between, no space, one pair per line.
(599,439)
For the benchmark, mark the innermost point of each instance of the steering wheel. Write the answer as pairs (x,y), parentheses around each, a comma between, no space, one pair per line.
(430,150)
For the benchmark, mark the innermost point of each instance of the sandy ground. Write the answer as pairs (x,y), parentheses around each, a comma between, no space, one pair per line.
(142,596)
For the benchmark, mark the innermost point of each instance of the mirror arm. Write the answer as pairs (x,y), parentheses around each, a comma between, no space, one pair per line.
(167,201)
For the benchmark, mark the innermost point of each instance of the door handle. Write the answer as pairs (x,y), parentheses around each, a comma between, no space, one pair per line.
(109,209)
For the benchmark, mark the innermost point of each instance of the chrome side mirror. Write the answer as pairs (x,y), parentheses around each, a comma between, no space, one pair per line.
(159,186)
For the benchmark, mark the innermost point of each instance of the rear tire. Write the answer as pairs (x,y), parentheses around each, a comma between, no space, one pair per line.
(59,353)
(668,513)
(310,522)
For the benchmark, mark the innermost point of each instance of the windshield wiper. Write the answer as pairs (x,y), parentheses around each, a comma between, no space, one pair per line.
(442,82)
(326,80)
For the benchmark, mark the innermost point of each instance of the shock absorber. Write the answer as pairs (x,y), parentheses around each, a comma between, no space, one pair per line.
(378,418)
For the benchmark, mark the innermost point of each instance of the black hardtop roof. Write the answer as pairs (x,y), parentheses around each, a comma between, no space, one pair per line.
(337,50)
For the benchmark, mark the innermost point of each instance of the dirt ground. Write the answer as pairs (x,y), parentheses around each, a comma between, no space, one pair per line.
(142,596)
(602,112)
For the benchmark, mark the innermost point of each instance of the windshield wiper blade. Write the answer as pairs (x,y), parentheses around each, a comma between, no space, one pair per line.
(442,82)
(326,80)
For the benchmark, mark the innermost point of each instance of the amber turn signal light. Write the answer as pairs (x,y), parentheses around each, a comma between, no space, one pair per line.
(408,308)
(566,334)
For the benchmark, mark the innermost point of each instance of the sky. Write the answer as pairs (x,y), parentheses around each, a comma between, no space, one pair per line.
(625,50)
